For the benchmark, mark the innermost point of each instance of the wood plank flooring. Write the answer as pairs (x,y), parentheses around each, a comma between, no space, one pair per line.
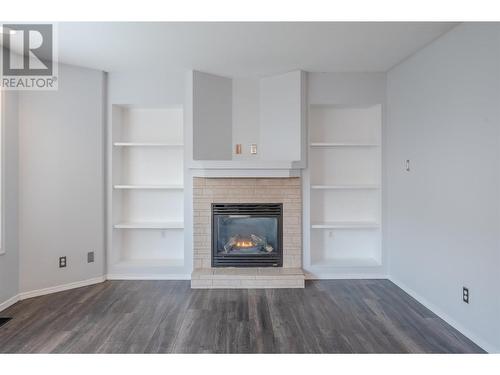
(334,316)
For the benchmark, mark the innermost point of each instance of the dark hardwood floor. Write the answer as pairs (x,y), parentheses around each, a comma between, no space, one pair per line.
(336,316)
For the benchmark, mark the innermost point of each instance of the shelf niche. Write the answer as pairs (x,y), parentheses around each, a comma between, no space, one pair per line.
(147,197)
(345,180)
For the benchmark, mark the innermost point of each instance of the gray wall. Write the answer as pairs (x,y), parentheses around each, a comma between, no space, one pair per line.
(444,215)
(9,262)
(212,117)
(61,180)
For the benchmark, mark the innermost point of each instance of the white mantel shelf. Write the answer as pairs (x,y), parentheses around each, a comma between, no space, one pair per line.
(245,168)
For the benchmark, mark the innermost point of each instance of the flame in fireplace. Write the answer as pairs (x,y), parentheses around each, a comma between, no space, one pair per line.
(244,244)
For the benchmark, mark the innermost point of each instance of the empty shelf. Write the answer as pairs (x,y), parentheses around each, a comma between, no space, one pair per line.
(151,225)
(346,187)
(147,144)
(322,144)
(345,225)
(161,187)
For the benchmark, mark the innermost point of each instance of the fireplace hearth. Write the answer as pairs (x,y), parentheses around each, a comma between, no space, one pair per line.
(247,235)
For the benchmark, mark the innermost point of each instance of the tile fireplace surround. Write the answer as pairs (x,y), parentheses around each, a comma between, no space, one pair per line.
(247,190)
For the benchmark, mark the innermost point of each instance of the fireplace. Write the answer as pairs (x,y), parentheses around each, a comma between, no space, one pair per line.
(247,235)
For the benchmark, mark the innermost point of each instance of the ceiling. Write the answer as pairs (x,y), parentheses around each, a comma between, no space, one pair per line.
(238,49)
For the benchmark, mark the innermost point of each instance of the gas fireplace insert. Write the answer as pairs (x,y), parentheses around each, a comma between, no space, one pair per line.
(247,235)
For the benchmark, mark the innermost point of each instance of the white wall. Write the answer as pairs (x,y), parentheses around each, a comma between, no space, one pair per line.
(61,180)
(155,89)
(9,262)
(349,89)
(444,215)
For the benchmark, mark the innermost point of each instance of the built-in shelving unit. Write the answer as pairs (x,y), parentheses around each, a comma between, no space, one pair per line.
(345,187)
(147,192)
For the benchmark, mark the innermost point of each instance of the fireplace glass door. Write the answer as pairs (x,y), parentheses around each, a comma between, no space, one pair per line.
(246,235)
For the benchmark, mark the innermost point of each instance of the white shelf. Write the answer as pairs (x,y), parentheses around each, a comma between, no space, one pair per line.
(146,144)
(323,144)
(345,225)
(151,225)
(345,187)
(347,262)
(149,187)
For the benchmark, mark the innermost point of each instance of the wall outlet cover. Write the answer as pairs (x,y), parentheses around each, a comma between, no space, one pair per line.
(62,262)
(90,257)
(465,294)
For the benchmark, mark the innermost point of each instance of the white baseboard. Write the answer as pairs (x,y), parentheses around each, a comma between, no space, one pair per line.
(9,302)
(173,277)
(60,288)
(436,310)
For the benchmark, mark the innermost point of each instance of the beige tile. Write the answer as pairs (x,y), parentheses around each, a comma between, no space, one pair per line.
(268,284)
(280,271)
(226,283)
(201,273)
(217,181)
(198,181)
(269,182)
(201,284)
(244,182)
(206,263)
(201,220)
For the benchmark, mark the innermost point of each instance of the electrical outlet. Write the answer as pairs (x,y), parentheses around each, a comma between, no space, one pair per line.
(62,262)
(90,257)
(465,294)
(253,149)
